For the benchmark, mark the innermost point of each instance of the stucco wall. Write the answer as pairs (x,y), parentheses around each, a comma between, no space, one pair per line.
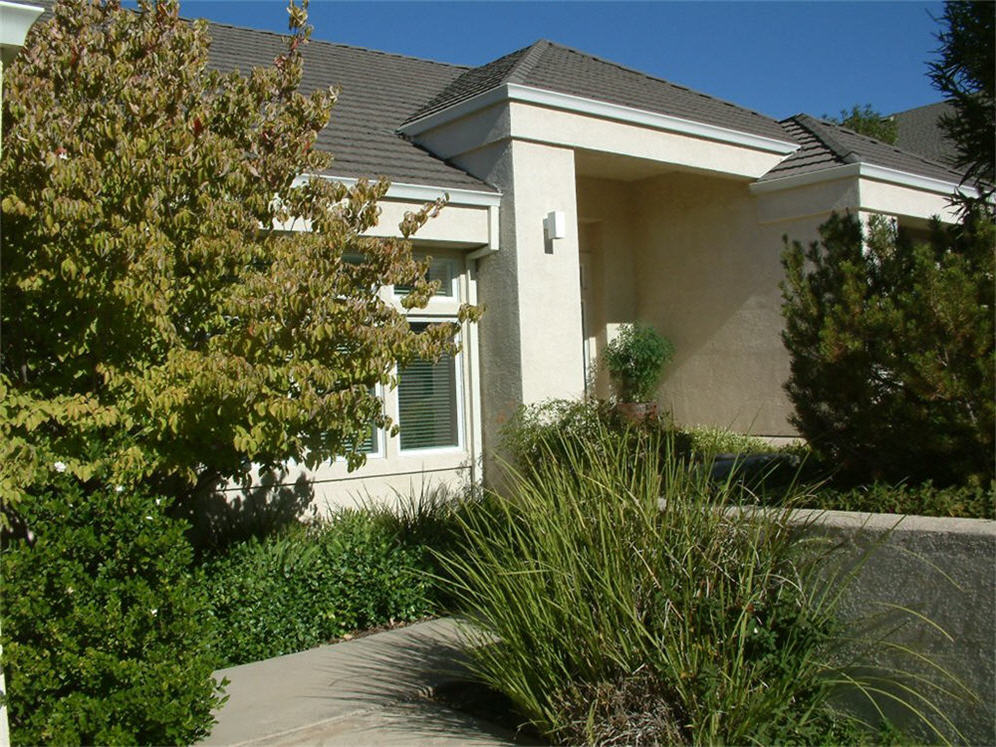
(945,570)
(688,253)
(530,335)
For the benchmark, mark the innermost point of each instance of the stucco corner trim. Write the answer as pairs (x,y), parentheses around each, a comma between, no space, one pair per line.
(603,109)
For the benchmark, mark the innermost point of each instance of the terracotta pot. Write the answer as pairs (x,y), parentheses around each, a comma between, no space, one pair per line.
(637,412)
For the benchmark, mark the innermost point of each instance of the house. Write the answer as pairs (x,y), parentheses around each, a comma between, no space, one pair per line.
(584,195)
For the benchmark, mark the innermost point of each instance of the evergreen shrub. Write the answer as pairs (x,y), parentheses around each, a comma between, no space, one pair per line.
(892,350)
(106,634)
(635,360)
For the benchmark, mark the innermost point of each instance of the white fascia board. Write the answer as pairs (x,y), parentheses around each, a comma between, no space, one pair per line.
(811,177)
(602,109)
(906,179)
(864,171)
(426,193)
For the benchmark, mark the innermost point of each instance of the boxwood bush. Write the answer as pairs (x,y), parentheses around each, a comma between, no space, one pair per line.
(311,584)
(106,636)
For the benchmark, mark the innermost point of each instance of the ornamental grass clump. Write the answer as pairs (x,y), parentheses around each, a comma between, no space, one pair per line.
(617,596)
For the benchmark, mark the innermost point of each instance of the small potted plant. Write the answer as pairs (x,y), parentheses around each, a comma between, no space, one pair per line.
(635,360)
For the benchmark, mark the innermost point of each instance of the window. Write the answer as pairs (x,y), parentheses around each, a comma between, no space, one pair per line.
(445,271)
(371,442)
(428,403)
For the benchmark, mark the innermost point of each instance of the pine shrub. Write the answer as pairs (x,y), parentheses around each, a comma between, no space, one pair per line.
(892,350)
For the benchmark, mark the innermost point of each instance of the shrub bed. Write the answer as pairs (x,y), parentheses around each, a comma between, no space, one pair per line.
(922,500)
(311,584)
(106,632)
(538,432)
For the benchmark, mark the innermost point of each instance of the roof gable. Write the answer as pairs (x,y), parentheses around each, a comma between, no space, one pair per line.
(549,66)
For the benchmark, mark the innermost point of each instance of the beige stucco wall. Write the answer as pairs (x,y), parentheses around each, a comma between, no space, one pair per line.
(688,254)
(532,122)
(456,225)
(894,199)
(530,336)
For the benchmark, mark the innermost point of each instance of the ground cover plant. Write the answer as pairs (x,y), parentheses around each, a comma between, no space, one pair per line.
(310,584)
(618,597)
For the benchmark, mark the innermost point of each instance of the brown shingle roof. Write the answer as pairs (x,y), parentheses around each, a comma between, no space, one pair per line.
(824,145)
(919,132)
(553,67)
(378,90)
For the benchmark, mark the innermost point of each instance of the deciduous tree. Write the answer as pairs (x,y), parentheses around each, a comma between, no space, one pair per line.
(869,122)
(156,321)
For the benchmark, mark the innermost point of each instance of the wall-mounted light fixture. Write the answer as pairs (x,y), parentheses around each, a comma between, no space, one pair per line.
(555,225)
(15,20)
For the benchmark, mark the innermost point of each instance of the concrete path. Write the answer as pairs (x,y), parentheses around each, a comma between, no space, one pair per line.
(366,691)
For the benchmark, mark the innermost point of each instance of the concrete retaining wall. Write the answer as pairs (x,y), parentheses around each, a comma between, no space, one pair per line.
(944,569)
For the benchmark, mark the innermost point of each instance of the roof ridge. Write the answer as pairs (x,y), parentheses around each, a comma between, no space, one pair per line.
(942,102)
(446,94)
(819,129)
(326,42)
(525,64)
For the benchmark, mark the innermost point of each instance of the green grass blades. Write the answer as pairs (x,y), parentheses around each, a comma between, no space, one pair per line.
(616,595)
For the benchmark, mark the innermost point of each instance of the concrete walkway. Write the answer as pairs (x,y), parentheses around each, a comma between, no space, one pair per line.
(366,691)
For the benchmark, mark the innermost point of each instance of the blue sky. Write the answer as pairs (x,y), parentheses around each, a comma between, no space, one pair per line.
(779,58)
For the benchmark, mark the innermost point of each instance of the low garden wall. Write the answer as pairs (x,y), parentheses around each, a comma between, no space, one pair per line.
(945,570)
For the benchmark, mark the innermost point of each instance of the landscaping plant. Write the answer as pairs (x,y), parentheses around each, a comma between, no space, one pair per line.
(892,350)
(616,596)
(635,360)
(312,584)
(107,637)
(147,284)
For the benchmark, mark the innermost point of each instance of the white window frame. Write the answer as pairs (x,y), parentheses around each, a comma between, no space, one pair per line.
(456,272)
(461,444)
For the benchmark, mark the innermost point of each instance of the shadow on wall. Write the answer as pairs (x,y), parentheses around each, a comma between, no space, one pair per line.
(219,517)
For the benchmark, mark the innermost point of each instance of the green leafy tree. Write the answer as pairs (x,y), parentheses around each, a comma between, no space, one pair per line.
(966,75)
(869,122)
(149,299)
(891,345)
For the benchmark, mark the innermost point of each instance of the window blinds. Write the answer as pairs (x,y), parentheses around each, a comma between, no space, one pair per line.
(427,404)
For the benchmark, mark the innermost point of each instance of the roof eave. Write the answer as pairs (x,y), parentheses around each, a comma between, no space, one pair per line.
(864,170)
(568,102)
